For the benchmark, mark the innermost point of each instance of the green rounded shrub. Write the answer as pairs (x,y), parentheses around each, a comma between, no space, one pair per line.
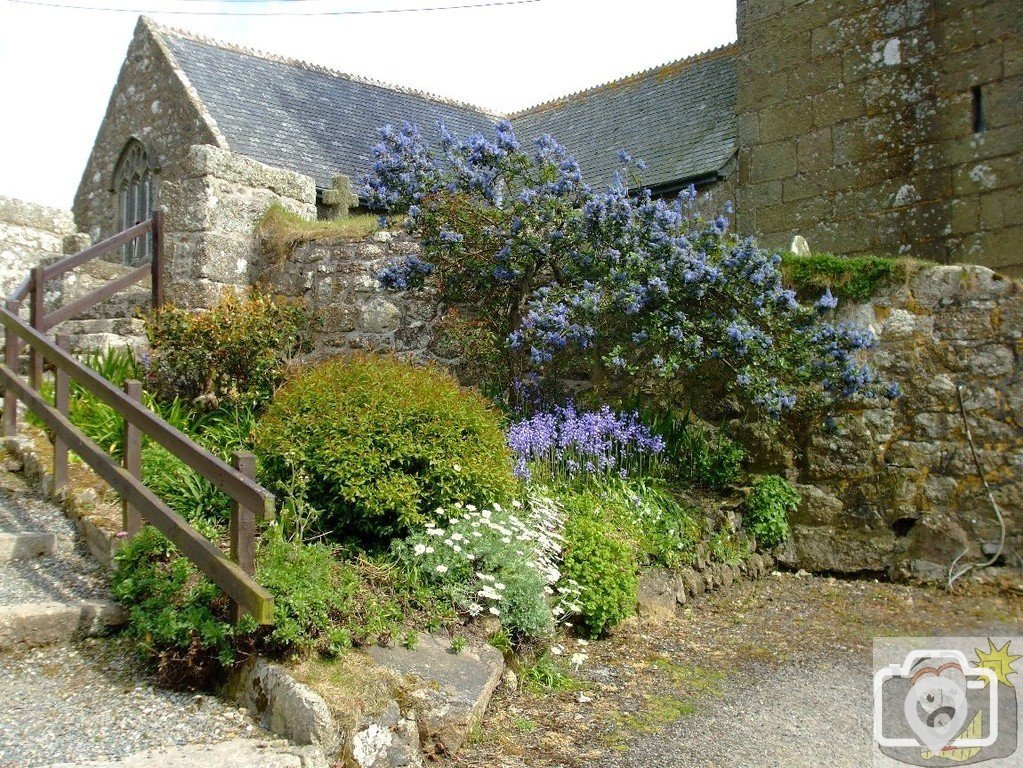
(374,444)
(604,563)
(766,509)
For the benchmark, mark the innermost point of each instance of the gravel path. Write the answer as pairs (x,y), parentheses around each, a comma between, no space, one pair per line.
(92,700)
(61,578)
(772,674)
(814,714)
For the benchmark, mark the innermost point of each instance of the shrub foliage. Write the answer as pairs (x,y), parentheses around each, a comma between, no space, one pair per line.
(375,444)
(766,509)
(233,354)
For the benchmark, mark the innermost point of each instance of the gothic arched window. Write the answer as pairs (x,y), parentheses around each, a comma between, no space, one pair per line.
(133,188)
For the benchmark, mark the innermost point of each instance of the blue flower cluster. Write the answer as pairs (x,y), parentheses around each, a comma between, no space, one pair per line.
(405,274)
(568,442)
(569,274)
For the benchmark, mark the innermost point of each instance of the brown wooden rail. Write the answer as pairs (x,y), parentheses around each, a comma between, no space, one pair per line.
(250,501)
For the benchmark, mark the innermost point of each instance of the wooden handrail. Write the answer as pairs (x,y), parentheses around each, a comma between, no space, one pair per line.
(91,299)
(251,502)
(225,477)
(101,248)
(244,590)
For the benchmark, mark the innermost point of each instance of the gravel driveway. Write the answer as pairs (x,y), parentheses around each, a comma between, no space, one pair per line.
(770,674)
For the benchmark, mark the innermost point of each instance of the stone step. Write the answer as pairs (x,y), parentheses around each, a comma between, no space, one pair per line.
(100,342)
(25,625)
(27,545)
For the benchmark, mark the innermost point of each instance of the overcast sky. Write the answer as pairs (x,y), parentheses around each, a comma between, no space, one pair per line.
(58,65)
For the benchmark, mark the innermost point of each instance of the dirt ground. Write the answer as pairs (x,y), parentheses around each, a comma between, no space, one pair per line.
(775,672)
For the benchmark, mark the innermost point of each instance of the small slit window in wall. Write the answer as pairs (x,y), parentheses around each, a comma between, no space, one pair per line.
(134,191)
(979,121)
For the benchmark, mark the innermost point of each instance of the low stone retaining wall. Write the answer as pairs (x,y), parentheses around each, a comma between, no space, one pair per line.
(896,490)
(339,283)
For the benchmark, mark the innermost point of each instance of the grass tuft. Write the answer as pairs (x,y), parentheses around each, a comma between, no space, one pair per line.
(854,278)
(281,231)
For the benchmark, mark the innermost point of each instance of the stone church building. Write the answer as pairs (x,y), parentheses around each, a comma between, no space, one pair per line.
(866,126)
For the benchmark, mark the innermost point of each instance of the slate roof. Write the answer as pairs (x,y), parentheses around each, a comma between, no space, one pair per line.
(294,115)
(679,118)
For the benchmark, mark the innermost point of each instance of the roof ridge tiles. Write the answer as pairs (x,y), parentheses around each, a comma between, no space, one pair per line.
(696,58)
(313,67)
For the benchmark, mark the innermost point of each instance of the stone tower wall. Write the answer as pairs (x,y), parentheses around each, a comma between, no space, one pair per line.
(857,127)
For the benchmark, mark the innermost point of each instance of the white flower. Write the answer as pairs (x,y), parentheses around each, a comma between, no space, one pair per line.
(496,506)
(517,504)
(557,650)
(457,537)
(429,550)
(456,548)
(494,610)
(582,642)
(419,549)
(578,659)
(584,699)
(457,468)
(471,507)
(434,531)
(442,568)
(499,586)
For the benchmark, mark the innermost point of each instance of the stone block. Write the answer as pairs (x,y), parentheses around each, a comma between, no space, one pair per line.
(205,160)
(773,161)
(837,105)
(454,689)
(389,741)
(657,595)
(816,507)
(837,550)
(379,315)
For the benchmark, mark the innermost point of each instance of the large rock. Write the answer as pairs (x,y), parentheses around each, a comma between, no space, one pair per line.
(658,595)
(287,707)
(389,741)
(450,691)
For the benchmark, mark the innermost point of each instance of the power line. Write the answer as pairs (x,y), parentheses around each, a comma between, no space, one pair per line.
(365,12)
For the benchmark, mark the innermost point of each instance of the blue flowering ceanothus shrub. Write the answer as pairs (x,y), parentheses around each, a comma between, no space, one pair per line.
(639,293)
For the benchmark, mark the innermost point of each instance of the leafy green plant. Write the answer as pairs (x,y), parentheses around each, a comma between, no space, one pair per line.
(604,564)
(483,561)
(706,457)
(766,509)
(178,618)
(234,354)
(458,644)
(378,444)
(543,675)
(857,278)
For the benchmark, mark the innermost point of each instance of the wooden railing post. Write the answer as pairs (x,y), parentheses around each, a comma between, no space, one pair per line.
(243,525)
(157,260)
(132,458)
(12,351)
(61,401)
(37,311)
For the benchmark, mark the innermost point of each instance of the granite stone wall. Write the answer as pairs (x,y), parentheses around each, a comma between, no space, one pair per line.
(859,127)
(894,490)
(211,209)
(339,284)
(897,490)
(32,234)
